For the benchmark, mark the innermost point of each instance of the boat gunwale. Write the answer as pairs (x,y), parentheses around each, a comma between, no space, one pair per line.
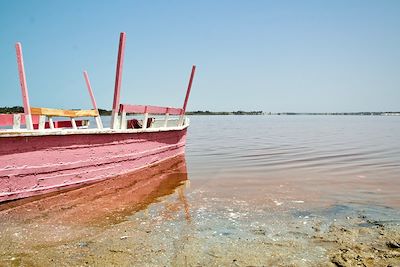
(57,132)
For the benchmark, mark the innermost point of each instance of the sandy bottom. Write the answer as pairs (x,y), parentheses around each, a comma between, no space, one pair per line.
(148,219)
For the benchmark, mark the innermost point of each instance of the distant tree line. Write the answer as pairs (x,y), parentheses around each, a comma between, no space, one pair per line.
(11,110)
(104,112)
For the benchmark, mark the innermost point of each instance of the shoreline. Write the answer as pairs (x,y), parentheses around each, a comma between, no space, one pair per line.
(105,112)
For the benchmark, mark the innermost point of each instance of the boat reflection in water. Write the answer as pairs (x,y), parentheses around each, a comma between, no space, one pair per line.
(106,202)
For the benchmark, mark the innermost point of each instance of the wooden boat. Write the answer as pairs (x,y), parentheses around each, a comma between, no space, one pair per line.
(40,154)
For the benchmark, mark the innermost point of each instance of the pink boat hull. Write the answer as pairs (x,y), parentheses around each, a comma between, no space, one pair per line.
(35,165)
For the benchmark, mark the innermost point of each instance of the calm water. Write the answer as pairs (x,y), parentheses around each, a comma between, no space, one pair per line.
(330,158)
(253,191)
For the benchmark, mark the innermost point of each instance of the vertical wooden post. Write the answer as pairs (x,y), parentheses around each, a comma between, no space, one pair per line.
(187,95)
(89,87)
(17,121)
(145,118)
(166,118)
(118,80)
(51,123)
(73,122)
(24,88)
(42,122)
(124,122)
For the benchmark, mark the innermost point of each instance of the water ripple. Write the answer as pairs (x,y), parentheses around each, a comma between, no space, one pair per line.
(334,146)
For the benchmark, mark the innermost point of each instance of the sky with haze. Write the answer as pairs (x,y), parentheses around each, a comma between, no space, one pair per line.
(298,56)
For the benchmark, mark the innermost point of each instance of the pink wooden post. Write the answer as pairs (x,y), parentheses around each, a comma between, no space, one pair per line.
(24,88)
(89,87)
(187,94)
(118,80)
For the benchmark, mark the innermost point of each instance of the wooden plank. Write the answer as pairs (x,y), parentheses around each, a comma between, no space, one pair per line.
(64,112)
(175,111)
(156,110)
(140,109)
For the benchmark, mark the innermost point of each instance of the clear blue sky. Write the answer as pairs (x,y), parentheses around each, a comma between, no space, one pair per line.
(251,55)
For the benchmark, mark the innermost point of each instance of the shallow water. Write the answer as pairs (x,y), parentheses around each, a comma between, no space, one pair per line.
(253,191)
(322,158)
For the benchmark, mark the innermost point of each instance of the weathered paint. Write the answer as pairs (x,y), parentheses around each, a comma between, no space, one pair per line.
(33,165)
(64,112)
(121,195)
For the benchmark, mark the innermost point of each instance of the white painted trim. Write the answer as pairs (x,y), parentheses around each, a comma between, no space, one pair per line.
(166,119)
(42,122)
(181,120)
(51,123)
(99,123)
(115,120)
(73,124)
(28,122)
(123,121)
(17,122)
(61,131)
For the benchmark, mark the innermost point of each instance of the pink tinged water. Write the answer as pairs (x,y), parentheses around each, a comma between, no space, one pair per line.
(297,159)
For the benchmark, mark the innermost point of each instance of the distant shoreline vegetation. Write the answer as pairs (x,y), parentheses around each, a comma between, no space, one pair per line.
(105,112)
